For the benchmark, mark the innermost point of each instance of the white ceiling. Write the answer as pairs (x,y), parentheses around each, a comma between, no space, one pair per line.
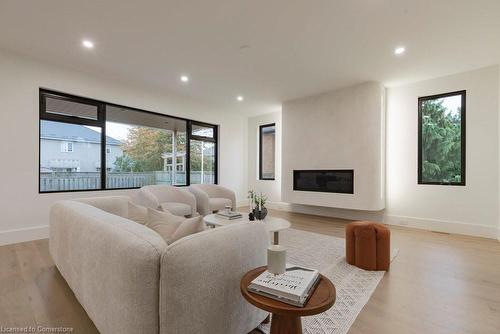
(296,48)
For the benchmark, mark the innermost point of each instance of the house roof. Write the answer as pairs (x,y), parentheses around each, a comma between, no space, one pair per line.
(72,132)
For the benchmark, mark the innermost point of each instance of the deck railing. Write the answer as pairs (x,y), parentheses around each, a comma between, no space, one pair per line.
(55,181)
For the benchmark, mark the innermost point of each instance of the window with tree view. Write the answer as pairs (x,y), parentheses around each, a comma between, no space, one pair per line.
(90,145)
(146,146)
(203,153)
(441,149)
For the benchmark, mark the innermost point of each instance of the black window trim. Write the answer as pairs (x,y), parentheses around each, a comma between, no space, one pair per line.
(203,138)
(421,99)
(261,127)
(101,123)
(214,139)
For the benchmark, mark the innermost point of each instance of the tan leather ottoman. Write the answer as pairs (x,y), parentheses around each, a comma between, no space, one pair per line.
(368,245)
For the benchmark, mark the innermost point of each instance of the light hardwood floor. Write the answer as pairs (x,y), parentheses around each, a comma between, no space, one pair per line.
(438,283)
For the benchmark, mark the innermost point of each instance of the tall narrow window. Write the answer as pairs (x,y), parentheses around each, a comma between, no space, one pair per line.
(203,153)
(267,149)
(441,139)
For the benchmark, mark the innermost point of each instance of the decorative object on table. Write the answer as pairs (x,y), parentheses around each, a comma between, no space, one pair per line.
(293,287)
(257,206)
(276,259)
(228,214)
(368,245)
(251,215)
(286,318)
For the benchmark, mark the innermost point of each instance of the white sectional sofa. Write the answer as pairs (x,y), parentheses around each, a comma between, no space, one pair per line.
(130,281)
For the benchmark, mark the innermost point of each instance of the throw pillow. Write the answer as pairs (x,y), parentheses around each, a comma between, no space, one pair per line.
(188,227)
(171,227)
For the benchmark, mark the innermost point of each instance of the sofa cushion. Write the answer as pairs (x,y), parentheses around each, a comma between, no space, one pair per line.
(171,227)
(137,213)
(218,203)
(176,208)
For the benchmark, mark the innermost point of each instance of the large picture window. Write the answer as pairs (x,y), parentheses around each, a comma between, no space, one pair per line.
(92,145)
(441,139)
(267,149)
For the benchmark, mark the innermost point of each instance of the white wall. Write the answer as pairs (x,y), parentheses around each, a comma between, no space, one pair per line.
(343,129)
(24,211)
(472,209)
(271,188)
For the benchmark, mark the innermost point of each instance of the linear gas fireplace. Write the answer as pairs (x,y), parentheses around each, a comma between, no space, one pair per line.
(329,181)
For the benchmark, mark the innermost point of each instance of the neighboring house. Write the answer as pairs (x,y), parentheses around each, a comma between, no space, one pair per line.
(74,148)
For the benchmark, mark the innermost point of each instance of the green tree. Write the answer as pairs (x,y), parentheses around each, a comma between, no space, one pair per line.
(144,147)
(441,143)
(196,148)
(124,163)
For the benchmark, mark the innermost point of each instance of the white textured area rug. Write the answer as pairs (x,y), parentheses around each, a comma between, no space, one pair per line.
(354,286)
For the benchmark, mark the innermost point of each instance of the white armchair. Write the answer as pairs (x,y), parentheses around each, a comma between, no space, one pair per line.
(178,201)
(212,197)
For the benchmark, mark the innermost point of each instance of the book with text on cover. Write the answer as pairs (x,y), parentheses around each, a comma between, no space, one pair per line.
(293,287)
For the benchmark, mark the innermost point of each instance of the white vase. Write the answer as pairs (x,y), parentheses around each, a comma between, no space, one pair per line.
(276,259)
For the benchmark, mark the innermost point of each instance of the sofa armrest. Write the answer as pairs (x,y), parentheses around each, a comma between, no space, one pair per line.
(111,264)
(200,280)
(202,204)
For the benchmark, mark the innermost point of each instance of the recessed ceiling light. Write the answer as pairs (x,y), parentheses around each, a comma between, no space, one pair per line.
(399,50)
(239,98)
(184,78)
(88,44)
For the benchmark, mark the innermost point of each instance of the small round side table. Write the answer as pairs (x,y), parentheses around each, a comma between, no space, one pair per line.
(286,318)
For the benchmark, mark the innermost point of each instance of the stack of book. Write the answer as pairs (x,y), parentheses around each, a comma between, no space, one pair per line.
(229,214)
(294,287)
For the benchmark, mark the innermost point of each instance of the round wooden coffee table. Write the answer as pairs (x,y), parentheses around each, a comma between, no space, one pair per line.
(286,318)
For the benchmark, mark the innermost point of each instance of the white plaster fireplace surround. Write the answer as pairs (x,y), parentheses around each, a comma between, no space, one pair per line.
(343,129)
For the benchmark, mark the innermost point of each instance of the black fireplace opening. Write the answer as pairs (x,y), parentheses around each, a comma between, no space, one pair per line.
(328,181)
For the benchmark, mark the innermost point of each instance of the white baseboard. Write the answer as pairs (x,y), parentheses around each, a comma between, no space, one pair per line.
(24,234)
(442,226)
(380,216)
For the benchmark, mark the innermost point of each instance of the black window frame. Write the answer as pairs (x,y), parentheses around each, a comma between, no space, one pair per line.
(214,139)
(463,94)
(101,123)
(261,128)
